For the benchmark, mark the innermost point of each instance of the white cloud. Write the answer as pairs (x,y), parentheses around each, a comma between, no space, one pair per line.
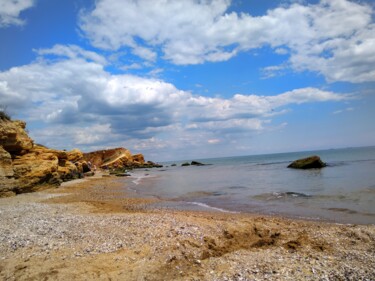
(92,134)
(343,110)
(72,52)
(281,51)
(145,53)
(131,66)
(273,70)
(213,141)
(334,37)
(81,103)
(10,11)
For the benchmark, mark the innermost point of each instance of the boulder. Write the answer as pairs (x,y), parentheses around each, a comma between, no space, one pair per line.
(35,171)
(196,163)
(13,137)
(139,158)
(151,164)
(312,162)
(185,164)
(74,155)
(6,167)
(69,171)
(84,166)
(7,182)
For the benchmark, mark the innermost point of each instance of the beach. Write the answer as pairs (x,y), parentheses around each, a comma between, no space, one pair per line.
(90,230)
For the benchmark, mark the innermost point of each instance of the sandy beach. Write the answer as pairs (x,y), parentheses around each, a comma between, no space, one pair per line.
(89,230)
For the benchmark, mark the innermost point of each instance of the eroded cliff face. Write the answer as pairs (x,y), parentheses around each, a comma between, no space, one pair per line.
(117,158)
(27,167)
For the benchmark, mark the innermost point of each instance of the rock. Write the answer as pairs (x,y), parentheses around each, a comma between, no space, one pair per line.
(151,164)
(6,167)
(74,155)
(118,158)
(85,167)
(139,158)
(196,163)
(311,162)
(69,171)
(27,167)
(7,182)
(122,175)
(34,169)
(13,137)
(185,164)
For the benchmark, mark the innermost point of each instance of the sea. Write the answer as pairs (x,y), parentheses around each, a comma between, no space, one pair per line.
(342,192)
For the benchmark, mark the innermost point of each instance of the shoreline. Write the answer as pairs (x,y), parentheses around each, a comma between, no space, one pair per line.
(92,230)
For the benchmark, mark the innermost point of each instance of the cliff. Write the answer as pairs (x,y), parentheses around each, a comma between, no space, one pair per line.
(27,167)
(117,158)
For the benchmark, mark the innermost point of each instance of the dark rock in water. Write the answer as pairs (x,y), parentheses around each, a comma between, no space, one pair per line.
(173,165)
(297,194)
(312,162)
(196,163)
(185,164)
(122,175)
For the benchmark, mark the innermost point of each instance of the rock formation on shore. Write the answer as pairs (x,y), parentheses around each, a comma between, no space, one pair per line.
(27,167)
(117,158)
(311,162)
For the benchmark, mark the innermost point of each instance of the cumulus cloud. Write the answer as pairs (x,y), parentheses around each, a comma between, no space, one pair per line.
(80,101)
(10,11)
(334,37)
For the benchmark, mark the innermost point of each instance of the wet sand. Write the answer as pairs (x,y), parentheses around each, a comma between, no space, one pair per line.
(90,230)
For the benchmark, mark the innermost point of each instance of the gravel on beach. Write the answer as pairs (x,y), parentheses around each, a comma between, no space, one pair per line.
(87,231)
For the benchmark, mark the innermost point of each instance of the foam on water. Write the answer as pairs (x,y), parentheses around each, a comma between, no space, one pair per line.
(212,208)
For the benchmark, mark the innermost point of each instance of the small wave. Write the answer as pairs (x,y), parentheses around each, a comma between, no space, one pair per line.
(203,194)
(237,187)
(138,178)
(281,195)
(336,164)
(212,208)
(342,210)
(272,163)
(297,194)
(350,211)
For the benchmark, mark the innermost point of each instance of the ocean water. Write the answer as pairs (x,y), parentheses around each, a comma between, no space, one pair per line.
(343,192)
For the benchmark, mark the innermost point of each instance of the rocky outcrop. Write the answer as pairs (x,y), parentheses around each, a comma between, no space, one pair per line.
(196,163)
(193,163)
(13,137)
(117,158)
(26,167)
(312,162)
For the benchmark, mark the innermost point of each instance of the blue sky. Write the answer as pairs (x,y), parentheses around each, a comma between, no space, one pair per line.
(190,79)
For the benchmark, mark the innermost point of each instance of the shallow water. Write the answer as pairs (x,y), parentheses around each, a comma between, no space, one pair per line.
(343,192)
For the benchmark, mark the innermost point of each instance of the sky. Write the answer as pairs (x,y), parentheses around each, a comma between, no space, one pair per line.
(190,79)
